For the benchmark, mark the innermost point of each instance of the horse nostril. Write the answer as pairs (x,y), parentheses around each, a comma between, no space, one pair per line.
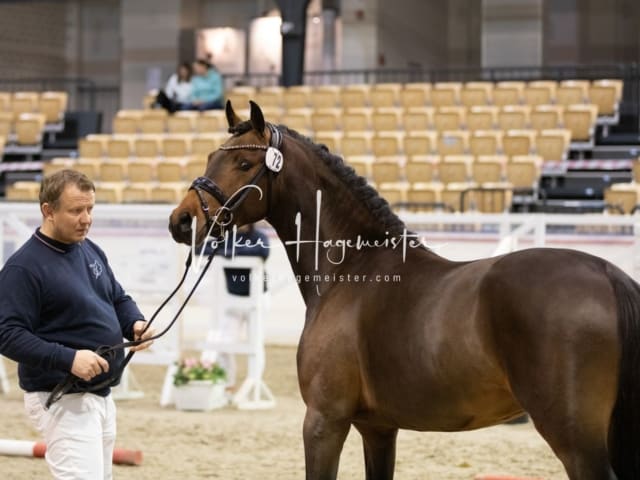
(184,221)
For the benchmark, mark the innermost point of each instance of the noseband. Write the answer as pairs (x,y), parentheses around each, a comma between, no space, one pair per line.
(224,214)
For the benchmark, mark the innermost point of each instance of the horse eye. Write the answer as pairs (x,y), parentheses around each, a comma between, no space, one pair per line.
(245,165)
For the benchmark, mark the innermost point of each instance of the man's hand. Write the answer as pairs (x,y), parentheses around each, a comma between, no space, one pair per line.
(138,327)
(88,364)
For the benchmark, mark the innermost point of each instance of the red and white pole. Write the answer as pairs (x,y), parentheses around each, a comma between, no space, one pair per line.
(26,448)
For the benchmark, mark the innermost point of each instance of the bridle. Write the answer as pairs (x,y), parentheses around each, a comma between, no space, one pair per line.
(224,214)
(227,208)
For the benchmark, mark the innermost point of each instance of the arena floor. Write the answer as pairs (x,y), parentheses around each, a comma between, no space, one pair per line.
(231,444)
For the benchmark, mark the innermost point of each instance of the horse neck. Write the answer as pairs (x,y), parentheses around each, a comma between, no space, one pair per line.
(311,206)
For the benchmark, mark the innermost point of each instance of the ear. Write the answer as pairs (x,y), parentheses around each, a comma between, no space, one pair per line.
(257,119)
(232,118)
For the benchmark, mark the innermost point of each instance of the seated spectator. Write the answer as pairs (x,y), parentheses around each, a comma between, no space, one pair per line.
(206,90)
(179,87)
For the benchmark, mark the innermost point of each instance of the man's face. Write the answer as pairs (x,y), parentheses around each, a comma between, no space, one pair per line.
(70,222)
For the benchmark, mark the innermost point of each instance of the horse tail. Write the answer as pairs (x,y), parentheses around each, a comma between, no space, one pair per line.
(624,428)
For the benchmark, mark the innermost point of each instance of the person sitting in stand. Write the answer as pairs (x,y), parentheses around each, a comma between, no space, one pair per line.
(206,90)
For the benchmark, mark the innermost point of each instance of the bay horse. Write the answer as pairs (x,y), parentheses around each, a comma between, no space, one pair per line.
(451,346)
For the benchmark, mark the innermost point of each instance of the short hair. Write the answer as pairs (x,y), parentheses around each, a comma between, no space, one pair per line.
(53,185)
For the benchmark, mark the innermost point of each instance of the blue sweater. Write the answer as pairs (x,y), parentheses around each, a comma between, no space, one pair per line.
(56,298)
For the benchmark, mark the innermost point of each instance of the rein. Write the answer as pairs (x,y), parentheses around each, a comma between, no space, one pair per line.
(228,207)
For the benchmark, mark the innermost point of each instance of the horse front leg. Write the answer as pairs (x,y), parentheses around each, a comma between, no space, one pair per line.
(379,451)
(323,441)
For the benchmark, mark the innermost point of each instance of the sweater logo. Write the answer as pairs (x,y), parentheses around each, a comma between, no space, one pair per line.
(96,268)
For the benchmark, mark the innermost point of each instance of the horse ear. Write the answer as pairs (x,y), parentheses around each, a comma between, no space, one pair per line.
(257,119)
(232,118)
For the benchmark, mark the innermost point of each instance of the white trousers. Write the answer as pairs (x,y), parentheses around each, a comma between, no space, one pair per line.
(79,431)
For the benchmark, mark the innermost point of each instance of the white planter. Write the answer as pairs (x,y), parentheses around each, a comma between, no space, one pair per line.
(200,395)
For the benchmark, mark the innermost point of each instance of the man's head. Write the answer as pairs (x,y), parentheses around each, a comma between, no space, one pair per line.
(200,67)
(66,202)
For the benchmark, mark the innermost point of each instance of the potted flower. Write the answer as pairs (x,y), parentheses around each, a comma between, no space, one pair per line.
(200,385)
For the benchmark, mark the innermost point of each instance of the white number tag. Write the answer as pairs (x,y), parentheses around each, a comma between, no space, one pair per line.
(274,159)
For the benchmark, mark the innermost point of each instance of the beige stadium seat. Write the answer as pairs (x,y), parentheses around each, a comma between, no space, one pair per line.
(385,95)
(387,143)
(449,118)
(127,125)
(606,94)
(332,140)
(485,142)
(152,123)
(56,164)
(570,92)
(114,170)
(418,118)
(355,96)
(508,93)
(52,106)
(455,168)
(195,168)
(452,195)
(540,92)
(553,144)
(298,119)
(171,170)
(636,170)
(240,96)
(361,164)
(545,117)
(270,97)
(523,171)
(453,142)
(482,118)
(139,192)
(356,119)
(120,146)
(393,193)
(168,192)
(388,171)
(5,102)
(623,196)
(89,166)
(149,99)
(422,197)
(325,96)
(493,197)
(446,94)
(298,96)
(92,148)
(519,142)
(356,143)
(109,192)
(271,114)
(142,170)
(209,123)
(415,95)
(422,168)
(581,121)
(386,118)
(24,102)
(420,143)
(6,124)
(182,122)
(326,119)
(29,128)
(514,117)
(486,169)
(177,146)
(148,146)
(476,93)
(204,144)
(23,191)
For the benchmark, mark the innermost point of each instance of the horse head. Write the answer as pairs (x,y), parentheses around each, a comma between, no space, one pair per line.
(235,187)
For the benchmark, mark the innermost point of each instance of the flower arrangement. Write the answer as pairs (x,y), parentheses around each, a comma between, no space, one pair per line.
(191,369)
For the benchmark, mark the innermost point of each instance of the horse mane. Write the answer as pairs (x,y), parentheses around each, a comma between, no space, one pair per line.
(358,185)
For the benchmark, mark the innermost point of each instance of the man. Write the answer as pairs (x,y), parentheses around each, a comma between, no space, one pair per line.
(59,301)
